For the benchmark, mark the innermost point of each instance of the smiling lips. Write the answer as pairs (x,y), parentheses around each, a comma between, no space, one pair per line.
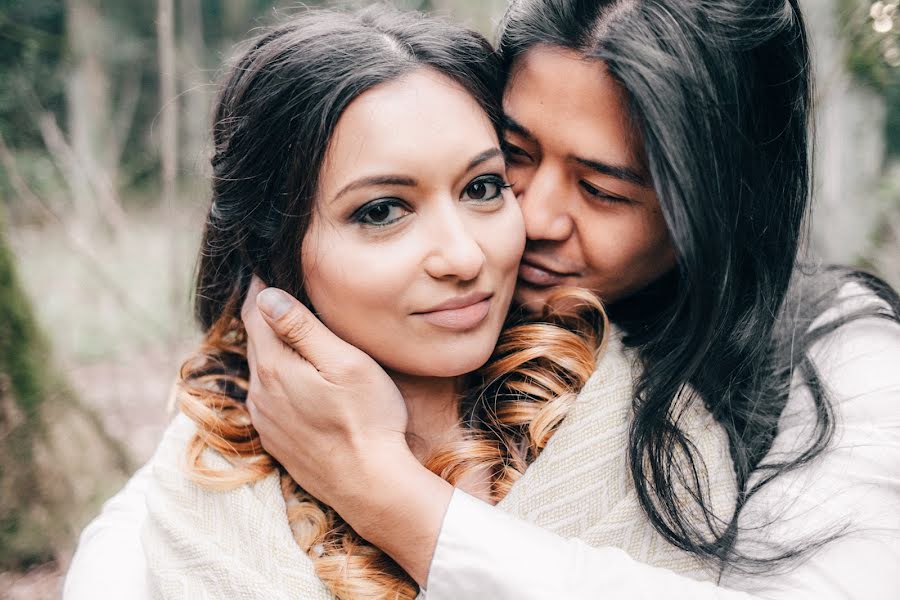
(460,313)
(536,275)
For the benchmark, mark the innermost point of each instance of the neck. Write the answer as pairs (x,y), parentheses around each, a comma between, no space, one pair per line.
(432,404)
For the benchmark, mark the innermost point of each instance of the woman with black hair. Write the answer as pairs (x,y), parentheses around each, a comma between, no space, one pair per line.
(357,164)
(660,153)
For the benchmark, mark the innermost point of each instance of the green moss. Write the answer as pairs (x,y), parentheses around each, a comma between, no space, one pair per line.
(26,384)
(23,542)
(47,492)
(23,351)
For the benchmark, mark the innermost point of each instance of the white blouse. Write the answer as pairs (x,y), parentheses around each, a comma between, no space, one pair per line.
(109,561)
(484,553)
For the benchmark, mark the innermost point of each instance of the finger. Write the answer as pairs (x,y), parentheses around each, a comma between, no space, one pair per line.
(299,328)
(268,357)
(254,325)
(262,343)
(248,308)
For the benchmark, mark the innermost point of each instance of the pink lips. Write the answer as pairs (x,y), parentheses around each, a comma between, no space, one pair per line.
(461,313)
(538,276)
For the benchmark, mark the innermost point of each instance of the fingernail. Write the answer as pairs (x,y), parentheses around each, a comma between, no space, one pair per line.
(273,302)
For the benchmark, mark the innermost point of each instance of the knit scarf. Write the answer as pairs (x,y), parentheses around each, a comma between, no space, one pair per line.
(238,544)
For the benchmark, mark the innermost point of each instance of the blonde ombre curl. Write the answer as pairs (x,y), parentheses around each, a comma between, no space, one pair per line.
(522,395)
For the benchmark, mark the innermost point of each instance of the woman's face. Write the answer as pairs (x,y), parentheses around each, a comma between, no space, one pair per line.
(413,249)
(592,217)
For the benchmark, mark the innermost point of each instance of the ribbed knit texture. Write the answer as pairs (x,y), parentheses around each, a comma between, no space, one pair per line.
(238,545)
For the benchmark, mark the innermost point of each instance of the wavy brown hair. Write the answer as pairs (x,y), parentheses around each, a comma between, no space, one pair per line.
(276,112)
(513,407)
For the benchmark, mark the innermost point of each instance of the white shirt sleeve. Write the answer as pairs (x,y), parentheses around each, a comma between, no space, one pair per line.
(483,552)
(109,561)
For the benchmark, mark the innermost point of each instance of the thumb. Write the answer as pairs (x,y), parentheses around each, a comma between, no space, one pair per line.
(299,328)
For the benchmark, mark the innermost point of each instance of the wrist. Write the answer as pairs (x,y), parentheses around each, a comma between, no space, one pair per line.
(398,506)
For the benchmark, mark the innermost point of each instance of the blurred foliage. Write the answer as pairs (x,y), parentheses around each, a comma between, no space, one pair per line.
(32,47)
(35,58)
(23,386)
(872,31)
(43,501)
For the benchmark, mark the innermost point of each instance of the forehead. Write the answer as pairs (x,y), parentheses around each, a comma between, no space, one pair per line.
(423,121)
(571,104)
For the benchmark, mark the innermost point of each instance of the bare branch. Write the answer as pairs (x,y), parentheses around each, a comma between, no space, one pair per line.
(76,242)
(168,102)
(124,118)
(80,175)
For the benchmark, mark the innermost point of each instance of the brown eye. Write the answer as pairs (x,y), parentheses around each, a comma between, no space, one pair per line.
(477,190)
(485,188)
(381,213)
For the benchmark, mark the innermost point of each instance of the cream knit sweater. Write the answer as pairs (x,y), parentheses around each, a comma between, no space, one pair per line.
(238,545)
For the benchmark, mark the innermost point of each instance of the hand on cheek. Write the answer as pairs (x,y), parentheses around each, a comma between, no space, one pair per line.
(335,420)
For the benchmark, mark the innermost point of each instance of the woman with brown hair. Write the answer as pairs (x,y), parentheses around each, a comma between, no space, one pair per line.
(660,152)
(357,166)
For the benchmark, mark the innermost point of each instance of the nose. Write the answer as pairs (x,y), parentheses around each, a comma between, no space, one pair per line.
(545,208)
(455,252)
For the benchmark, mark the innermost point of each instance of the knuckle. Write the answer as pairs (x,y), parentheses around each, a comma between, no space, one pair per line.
(296,327)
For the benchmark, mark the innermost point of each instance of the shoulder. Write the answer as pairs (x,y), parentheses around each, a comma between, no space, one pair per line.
(857,364)
(109,561)
(850,490)
(229,542)
(857,358)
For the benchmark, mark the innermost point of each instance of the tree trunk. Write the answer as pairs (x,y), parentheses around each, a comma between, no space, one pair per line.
(195,83)
(56,461)
(87,102)
(168,136)
(89,156)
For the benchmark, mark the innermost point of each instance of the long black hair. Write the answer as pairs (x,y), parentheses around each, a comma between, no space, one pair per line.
(275,116)
(279,106)
(720,91)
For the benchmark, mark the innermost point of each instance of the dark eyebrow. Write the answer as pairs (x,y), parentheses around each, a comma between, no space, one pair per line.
(363,182)
(483,157)
(619,172)
(511,124)
(624,173)
(373,180)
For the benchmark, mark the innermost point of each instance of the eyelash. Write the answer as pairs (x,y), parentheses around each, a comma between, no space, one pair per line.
(365,210)
(514,154)
(362,212)
(493,179)
(602,196)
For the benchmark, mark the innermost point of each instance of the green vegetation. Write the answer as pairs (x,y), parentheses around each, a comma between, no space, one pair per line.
(872,31)
(47,440)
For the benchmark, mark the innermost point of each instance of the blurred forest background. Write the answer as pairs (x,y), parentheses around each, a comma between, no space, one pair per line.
(104,113)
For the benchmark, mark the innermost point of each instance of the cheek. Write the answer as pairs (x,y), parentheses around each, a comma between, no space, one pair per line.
(351,286)
(627,251)
(519,177)
(504,239)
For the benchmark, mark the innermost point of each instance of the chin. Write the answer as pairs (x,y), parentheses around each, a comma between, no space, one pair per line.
(532,300)
(458,368)
(456,360)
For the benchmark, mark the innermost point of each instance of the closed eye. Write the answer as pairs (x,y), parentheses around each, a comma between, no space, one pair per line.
(515,154)
(602,195)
